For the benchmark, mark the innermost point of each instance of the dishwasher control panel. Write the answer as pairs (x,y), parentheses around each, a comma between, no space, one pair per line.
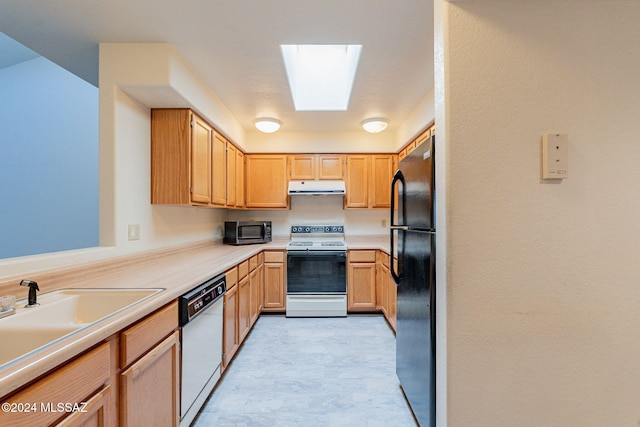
(200,298)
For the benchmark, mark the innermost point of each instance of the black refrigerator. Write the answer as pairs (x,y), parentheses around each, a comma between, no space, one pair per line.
(413,234)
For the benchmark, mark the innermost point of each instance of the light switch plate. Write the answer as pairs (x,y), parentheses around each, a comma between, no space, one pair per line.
(555,153)
(134,231)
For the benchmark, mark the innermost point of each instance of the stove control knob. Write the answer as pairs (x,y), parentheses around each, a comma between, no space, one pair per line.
(327,229)
(294,229)
(307,230)
(219,290)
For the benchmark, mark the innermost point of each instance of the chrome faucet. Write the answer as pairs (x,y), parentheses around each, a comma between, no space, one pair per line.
(33,287)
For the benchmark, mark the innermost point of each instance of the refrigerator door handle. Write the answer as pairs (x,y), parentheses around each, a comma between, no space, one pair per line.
(399,274)
(398,177)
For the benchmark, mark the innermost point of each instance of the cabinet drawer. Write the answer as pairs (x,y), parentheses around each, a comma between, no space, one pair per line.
(253,262)
(231,277)
(72,383)
(274,256)
(362,256)
(139,338)
(243,270)
(382,258)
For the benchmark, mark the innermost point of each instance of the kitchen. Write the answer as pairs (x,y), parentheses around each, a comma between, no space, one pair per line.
(512,306)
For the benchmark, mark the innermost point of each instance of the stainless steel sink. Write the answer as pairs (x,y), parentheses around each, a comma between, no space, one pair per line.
(61,313)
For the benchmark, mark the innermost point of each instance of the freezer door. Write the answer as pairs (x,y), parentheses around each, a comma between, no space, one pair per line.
(416,193)
(415,328)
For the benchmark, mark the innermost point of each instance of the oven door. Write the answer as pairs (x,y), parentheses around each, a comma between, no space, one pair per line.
(316,272)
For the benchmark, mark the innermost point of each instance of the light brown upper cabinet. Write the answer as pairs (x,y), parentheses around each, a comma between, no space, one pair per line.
(302,166)
(422,138)
(316,166)
(369,181)
(218,170)
(239,178)
(357,181)
(191,163)
(382,168)
(231,175)
(416,142)
(266,181)
(330,166)
(180,158)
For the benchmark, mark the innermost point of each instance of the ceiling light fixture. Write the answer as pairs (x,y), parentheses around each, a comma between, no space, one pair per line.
(374,125)
(267,125)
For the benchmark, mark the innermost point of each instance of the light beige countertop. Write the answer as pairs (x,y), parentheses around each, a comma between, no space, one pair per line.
(175,270)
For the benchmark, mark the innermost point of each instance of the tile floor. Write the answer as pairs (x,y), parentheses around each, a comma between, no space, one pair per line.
(315,372)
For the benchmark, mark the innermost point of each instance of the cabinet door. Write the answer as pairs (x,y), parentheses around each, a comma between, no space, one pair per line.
(151,387)
(380,287)
(200,160)
(97,412)
(254,285)
(274,286)
(266,181)
(231,337)
(244,300)
(402,154)
(73,383)
(218,170)
(422,138)
(361,287)
(231,175)
(357,181)
(239,178)
(391,297)
(302,166)
(330,166)
(381,175)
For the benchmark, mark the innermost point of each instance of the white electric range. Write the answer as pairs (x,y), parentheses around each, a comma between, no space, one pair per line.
(317,271)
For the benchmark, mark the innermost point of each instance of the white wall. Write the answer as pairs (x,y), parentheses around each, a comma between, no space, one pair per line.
(134,78)
(320,142)
(543,297)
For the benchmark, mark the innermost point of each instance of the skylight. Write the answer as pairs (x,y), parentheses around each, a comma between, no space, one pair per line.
(321,76)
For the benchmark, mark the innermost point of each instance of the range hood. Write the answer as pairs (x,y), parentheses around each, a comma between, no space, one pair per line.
(316,188)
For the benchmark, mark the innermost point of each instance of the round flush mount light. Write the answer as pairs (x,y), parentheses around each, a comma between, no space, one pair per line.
(374,125)
(267,125)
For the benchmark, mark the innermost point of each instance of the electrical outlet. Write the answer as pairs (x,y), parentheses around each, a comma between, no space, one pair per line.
(555,153)
(134,231)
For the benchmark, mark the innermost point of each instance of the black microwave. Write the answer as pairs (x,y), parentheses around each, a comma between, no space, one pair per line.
(246,232)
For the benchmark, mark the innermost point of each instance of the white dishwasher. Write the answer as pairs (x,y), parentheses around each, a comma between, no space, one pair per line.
(201,312)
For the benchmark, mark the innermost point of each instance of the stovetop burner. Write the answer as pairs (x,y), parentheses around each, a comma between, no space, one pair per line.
(317,237)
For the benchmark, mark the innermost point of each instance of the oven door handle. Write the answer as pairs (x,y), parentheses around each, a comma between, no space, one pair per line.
(340,254)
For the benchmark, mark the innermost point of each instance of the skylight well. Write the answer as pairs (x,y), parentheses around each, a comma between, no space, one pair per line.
(321,76)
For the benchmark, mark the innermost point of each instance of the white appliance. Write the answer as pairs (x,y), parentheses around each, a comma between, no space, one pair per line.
(201,313)
(317,188)
(317,271)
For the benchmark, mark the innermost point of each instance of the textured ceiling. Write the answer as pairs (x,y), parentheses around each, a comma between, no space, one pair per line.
(234,46)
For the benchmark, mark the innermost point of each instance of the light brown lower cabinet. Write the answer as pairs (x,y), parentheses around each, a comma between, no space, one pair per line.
(150,375)
(274,281)
(97,412)
(130,379)
(231,339)
(74,383)
(150,388)
(244,308)
(254,296)
(361,281)
(385,283)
